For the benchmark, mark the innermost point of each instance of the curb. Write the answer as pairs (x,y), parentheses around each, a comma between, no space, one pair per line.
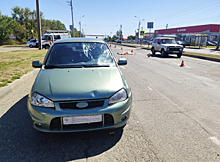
(11,86)
(202,57)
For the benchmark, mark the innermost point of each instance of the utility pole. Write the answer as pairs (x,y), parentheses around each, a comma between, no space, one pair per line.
(166,28)
(71,5)
(39,25)
(218,40)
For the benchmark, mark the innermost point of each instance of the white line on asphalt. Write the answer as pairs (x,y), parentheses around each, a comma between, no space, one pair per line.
(123,67)
(150,88)
(215,140)
(205,71)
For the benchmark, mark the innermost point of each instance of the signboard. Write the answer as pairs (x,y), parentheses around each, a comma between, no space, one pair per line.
(150,25)
(71,27)
(142,33)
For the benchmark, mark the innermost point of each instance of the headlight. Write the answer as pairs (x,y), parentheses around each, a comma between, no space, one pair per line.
(181,49)
(118,97)
(41,101)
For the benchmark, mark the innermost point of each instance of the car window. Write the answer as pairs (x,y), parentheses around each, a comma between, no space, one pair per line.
(155,40)
(168,41)
(95,54)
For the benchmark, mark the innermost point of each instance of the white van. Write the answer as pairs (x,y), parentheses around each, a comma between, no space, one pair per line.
(53,35)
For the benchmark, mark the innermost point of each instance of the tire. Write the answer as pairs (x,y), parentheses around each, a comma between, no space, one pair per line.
(179,55)
(163,53)
(153,51)
(47,47)
(31,46)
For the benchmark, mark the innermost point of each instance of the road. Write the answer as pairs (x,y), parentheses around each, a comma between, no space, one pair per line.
(175,117)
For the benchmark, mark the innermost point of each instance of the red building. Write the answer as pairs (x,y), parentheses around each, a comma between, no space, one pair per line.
(184,33)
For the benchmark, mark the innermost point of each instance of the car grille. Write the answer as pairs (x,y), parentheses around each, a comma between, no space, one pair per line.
(174,49)
(72,105)
(55,124)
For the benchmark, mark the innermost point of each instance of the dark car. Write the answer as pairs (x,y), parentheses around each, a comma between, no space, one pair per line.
(118,41)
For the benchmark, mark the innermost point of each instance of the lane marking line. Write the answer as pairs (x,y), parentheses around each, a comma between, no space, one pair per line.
(215,140)
(150,88)
(123,67)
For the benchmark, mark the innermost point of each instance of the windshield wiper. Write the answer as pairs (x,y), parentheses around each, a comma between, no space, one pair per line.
(63,66)
(95,66)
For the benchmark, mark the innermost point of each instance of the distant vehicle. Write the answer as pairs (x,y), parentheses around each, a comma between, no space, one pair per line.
(181,43)
(52,36)
(79,87)
(166,46)
(32,43)
(118,41)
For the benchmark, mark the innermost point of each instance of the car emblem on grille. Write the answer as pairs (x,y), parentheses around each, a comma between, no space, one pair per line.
(82,104)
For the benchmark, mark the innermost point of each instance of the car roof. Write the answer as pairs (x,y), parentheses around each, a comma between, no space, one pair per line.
(68,40)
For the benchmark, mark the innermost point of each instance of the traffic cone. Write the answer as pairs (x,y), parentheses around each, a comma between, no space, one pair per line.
(121,48)
(149,55)
(131,50)
(110,45)
(115,46)
(182,64)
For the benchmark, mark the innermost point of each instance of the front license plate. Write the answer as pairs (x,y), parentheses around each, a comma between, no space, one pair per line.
(175,51)
(82,119)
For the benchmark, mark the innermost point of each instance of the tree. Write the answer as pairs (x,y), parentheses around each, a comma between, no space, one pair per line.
(6,28)
(119,34)
(131,37)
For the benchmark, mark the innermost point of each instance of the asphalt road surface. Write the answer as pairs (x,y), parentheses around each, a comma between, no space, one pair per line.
(7,49)
(175,117)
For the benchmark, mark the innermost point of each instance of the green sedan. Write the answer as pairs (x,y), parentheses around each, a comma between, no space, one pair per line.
(79,88)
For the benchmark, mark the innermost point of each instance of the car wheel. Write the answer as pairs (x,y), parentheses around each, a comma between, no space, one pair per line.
(31,46)
(163,53)
(47,47)
(179,55)
(153,51)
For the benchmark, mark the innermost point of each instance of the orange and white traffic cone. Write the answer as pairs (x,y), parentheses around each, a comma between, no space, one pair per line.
(149,55)
(131,50)
(121,48)
(115,46)
(182,64)
(110,45)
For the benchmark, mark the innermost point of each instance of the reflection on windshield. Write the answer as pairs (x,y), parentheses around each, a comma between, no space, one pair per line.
(80,54)
(168,41)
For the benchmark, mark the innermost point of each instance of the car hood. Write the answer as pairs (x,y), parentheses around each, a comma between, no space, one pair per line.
(78,83)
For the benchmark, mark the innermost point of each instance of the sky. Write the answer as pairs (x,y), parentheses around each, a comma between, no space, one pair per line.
(104,17)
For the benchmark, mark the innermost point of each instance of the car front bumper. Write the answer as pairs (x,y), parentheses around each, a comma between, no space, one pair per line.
(51,120)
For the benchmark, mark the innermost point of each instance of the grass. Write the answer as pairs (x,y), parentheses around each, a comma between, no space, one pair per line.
(14,64)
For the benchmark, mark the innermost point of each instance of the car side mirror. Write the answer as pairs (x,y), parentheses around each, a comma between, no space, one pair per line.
(122,61)
(36,64)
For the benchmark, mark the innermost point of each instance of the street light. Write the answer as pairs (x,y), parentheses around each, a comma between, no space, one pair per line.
(80,24)
(137,37)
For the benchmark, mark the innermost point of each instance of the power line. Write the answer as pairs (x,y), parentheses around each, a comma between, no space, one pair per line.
(61,4)
(181,14)
(196,16)
(217,17)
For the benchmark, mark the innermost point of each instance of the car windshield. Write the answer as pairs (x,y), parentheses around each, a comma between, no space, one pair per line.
(168,41)
(83,54)
(45,37)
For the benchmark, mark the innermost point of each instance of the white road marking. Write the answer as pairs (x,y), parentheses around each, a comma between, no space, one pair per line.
(150,88)
(215,140)
(123,67)
(187,67)
(205,71)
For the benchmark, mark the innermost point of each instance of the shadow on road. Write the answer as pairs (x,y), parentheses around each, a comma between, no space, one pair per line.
(159,56)
(21,142)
